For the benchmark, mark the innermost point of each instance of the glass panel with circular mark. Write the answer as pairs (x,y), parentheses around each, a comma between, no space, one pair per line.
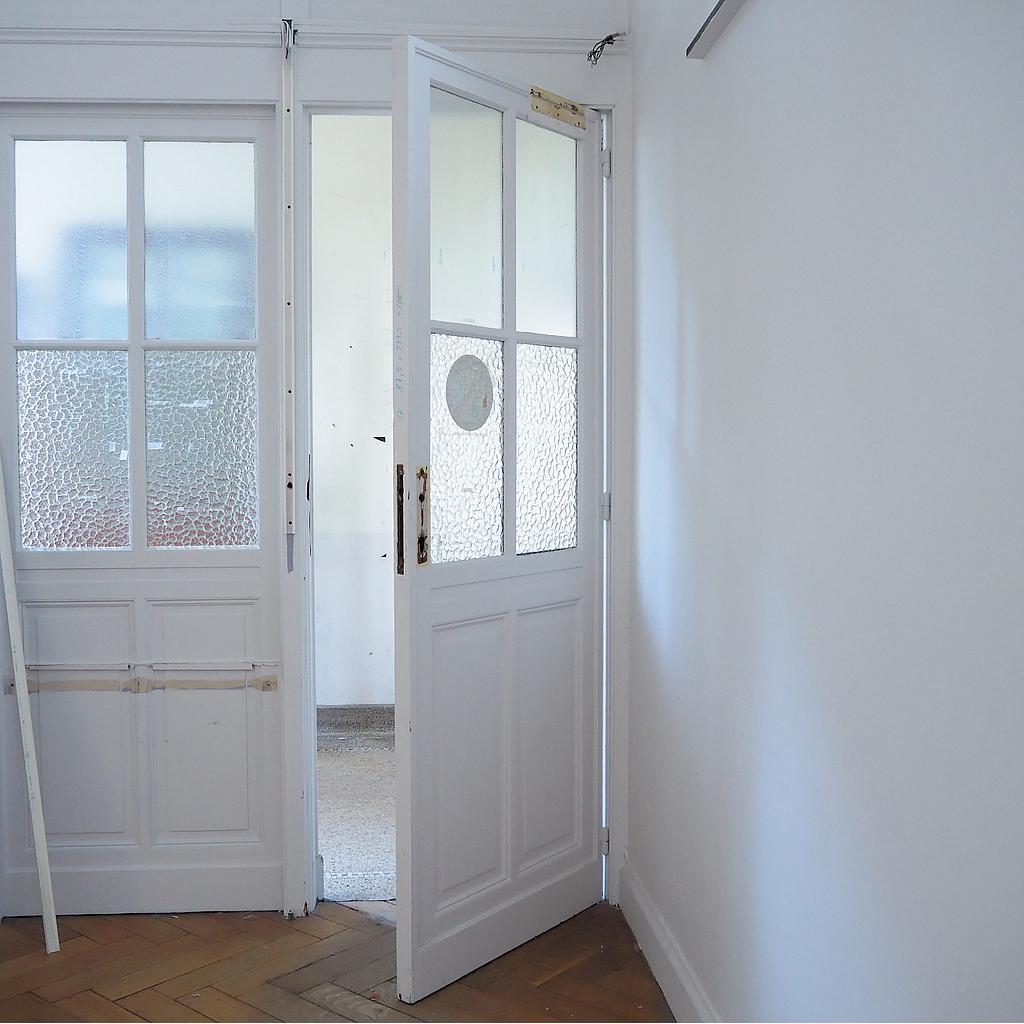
(201,459)
(469,392)
(466,471)
(465,211)
(71,240)
(547,413)
(73,450)
(545,231)
(200,241)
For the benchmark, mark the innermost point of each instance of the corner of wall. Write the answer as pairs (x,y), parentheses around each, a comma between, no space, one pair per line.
(673,971)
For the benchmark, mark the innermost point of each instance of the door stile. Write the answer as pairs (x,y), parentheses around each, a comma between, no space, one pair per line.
(411,196)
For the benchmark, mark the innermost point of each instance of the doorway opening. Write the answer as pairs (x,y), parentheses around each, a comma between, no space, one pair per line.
(353,558)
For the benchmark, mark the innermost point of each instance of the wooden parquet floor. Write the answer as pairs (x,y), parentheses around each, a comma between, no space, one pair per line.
(336,964)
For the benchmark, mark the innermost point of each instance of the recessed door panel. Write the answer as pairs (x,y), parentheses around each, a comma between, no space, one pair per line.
(469,748)
(203,631)
(78,633)
(204,750)
(547,690)
(85,757)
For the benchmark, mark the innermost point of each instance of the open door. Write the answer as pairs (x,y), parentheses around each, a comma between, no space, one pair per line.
(497,364)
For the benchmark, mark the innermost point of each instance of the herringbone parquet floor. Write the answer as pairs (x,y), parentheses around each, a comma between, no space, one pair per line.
(336,964)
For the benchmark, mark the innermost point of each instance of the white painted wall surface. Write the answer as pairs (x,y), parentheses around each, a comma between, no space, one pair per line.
(402,16)
(825,813)
(353,547)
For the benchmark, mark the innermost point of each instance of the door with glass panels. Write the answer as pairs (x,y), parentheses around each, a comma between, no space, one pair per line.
(497,354)
(140,439)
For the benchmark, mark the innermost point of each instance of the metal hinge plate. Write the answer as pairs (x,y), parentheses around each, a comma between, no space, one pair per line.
(606,162)
(606,506)
(605,841)
(544,102)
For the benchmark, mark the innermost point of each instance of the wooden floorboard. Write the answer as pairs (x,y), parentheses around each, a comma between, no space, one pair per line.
(338,964)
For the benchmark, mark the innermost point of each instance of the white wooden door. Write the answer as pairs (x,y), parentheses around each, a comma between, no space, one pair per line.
(140,427)
(497,361)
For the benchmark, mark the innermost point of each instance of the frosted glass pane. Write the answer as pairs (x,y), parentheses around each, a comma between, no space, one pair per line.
(466,474)
(73,449)
(545,231)
(546,439)
(465,211)
(201,462)
(72,255)
(200,241)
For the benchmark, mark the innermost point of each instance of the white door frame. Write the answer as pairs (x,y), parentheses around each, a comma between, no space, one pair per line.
(326,84)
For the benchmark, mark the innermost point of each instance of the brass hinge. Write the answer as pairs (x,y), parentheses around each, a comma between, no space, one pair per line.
(553,105)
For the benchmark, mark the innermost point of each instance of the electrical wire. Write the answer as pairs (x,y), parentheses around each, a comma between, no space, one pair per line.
(597,49)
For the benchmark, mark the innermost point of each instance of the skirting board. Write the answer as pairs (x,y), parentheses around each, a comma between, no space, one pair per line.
(675,975)
(135,890)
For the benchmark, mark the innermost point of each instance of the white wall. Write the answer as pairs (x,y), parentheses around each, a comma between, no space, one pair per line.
(539,16)
(353,546)
(825,769)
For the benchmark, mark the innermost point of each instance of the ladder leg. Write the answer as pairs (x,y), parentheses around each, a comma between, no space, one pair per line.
(28,739)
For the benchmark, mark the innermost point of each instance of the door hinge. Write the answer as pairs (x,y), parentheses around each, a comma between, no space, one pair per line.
(606,506)
(606,161)
(544,102)
(605,841)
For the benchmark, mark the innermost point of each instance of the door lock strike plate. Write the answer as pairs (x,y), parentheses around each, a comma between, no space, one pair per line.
(400,519)
(423,515)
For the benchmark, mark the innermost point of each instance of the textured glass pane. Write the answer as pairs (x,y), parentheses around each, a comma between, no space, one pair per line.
(200,241)
(546,430)
(465,211)
(72,263)
(73,449)
(466,476)
(545,231)
(201,463)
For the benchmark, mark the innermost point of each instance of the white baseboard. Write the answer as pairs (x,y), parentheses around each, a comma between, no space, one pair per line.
(684,992)
(138,890)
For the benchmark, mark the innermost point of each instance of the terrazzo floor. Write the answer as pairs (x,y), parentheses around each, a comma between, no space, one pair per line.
(356,805)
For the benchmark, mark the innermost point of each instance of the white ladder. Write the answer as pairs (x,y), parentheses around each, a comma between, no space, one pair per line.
(28,739)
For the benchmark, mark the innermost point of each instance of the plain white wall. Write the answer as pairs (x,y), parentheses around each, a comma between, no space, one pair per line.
(826,767)
(353,546)
(539,16)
